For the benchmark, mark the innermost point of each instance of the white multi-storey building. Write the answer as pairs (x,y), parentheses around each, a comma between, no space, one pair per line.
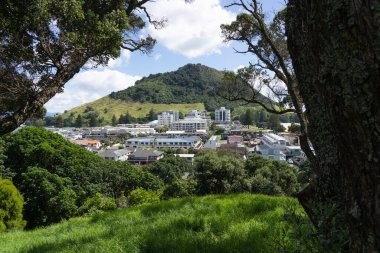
(190,124)
(164,142)
(222,115)
(167,117)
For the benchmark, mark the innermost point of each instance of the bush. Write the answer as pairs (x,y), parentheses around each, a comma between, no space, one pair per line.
(272,177)
(142,196)
(96,204)
(218,173)
(180,188)
(11,204)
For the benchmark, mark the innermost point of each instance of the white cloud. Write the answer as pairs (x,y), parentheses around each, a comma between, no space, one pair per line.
(238,67)
(192,29)
(90,85)
(122,60)
(157,57)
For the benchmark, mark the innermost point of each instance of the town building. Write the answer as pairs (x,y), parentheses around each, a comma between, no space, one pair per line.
(167,117)
(212,143)
(273,146)
(91,145)
(164,142)
(190,124)
(232,139)
(145,156)
(115,154)
(222,116)
(188,157)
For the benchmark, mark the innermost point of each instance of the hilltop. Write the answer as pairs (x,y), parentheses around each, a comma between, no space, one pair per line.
(215,223)
(192,86)
(192,83)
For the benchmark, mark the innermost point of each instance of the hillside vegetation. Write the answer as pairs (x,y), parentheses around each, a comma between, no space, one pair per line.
(192,83)
(229,223)
(106,107)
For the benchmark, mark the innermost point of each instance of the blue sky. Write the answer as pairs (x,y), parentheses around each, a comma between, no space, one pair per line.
(192,35)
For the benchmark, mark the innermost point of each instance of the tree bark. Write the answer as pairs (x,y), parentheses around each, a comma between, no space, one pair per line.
(335,49)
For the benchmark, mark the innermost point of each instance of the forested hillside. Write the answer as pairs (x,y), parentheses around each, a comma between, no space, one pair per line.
(192,83)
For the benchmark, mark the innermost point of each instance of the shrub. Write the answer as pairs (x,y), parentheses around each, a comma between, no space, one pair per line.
(11,204)
(272,177)
(96,204)
(218,173)
(142,196)
(180,188)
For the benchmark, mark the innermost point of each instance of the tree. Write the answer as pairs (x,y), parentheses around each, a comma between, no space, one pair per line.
(272,177)
(45,45)
(247,118)
(217,173)
(275,124)
(332,82)
(336,62)
(59,121)
(152,115)
(271,73)
(79,121)
(11,204)
(170,168)
(2,158)
(114,120)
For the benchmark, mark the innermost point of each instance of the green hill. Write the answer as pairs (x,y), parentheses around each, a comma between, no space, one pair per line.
(106,107)
(228,223)
(192,83)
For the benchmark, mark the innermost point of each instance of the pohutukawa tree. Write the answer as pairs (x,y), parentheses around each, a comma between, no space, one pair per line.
(332,77)
(43,44)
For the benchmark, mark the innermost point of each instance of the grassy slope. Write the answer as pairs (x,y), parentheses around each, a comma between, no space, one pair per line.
(136,109)
(229,223)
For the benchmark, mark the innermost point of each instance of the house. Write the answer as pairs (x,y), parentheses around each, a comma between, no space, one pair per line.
(115,154)
(188,157)
(145,156)
(235,148)
(232,139)
(212,143)
(91,145)
(164,142)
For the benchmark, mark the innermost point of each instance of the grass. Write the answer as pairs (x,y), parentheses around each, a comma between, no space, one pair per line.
(229,223)
(107,107)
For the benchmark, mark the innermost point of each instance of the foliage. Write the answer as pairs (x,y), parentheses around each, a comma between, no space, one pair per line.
(136,110)
(294,128)
(46,166)
(247,118)
(275,123)
(45,44)
(218,173)
(272,177)
(11,205)
(243,223)
(42,191)
(96,204)
(2,158)
(192,83)
(170,168)
(141,196)
(180,188)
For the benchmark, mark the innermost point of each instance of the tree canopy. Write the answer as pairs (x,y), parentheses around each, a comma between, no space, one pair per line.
(45,43)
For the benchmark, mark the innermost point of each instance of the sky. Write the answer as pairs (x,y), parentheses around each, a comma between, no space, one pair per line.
(191,35)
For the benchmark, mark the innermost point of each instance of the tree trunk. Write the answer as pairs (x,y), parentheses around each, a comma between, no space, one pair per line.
(335,48)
